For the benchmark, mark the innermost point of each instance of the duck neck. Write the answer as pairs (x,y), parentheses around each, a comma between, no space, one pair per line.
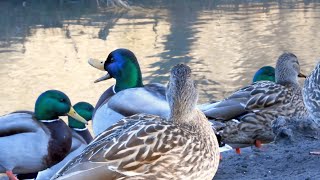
(182,112)
(129,78)
(285,76)
(195,122)
(72,123)
(183,117)
(42,112)
(288,82)
(79,129)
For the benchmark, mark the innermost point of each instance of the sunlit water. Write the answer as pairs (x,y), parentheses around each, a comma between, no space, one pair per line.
(46,46)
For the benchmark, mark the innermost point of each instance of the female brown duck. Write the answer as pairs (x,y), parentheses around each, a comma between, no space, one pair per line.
(249,112)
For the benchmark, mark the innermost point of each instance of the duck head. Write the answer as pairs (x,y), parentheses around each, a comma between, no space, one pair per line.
(52,104)
(182,94)
(85,110)
(122,65)
(266,73)
(288,69)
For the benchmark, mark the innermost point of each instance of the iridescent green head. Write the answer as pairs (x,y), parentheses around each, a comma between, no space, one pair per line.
(85,110)
(52,104)
(122,65)
(266,73)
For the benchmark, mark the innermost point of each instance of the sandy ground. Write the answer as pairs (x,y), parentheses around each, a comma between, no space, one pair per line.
(287,158)
(273,161)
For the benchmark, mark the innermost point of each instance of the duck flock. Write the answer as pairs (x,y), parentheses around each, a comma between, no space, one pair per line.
(151,131)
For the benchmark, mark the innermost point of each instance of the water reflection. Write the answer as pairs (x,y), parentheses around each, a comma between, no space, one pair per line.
(46,44)
(178,42)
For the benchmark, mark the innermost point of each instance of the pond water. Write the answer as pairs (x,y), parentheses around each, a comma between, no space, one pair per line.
(46,45)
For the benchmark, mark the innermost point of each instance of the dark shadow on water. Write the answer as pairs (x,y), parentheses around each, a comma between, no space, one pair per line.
(181,17)
(17,17)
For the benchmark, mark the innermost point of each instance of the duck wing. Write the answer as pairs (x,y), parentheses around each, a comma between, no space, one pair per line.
(158,89)
(268,94)
(149,99)
(18,122)
(23,143)
(129,148)
(257,96)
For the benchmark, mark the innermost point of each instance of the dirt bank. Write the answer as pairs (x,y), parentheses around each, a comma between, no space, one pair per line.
(288,158)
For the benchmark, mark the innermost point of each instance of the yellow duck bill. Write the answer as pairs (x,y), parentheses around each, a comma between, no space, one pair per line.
(72,113)
(99,64)
(103,78)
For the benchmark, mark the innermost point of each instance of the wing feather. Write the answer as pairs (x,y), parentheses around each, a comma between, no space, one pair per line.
(254,97)
(18,122)
(139,100)
(131,146)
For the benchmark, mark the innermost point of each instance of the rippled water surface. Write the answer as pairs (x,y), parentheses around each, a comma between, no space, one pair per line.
(47,45)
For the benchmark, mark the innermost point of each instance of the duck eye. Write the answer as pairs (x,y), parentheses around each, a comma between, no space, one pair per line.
(62,100)
(112,59)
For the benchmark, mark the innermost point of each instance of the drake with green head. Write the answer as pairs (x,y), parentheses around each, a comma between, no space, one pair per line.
(129,95)
(31,142)
(266,73)
(248,112)
(81,137)
(122,65)
(85,110)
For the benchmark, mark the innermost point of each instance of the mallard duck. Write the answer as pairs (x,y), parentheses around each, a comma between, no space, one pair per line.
(148,147)
(311,94)
(248,112)
(128,96)
(31,142)
(81,137)
(85,110)
(266,73)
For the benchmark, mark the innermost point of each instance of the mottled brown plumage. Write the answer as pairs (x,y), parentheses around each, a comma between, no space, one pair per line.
(249,112)
(311,93)
(311,97)
(149,147)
